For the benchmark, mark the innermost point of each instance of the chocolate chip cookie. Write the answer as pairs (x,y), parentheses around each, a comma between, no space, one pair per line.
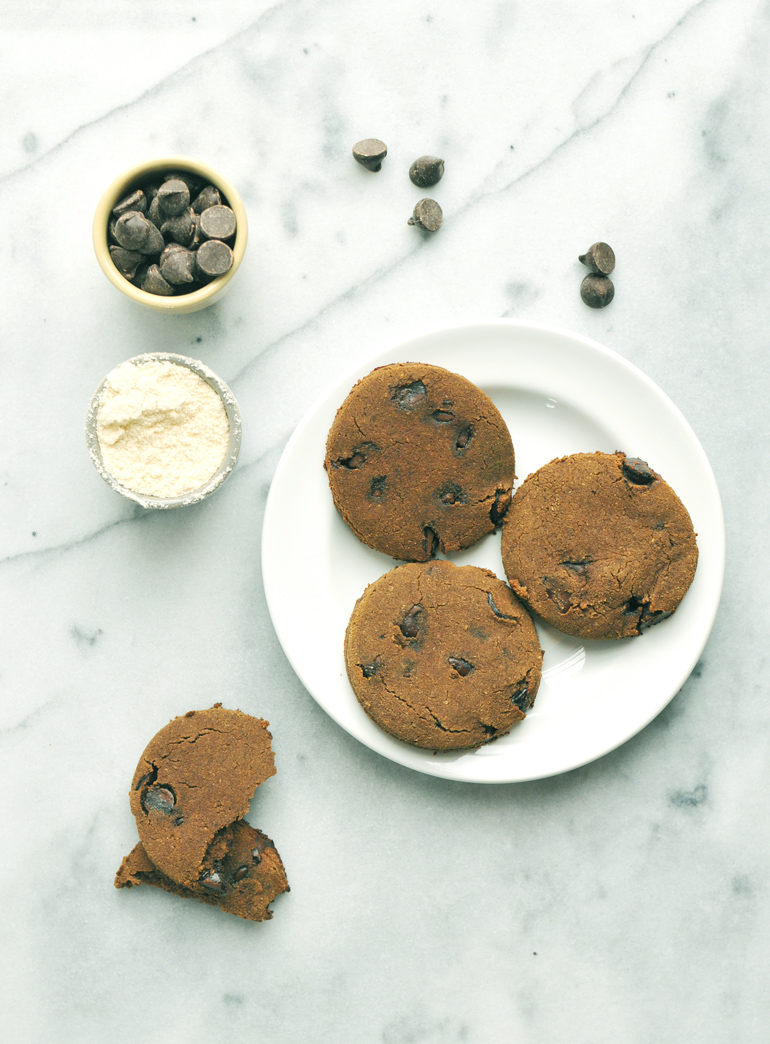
(242,873)
(191,788)
(598,545)
(442,656)
(418,459)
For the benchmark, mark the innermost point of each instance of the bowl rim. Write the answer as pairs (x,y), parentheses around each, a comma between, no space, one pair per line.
(228,461)
(116,190)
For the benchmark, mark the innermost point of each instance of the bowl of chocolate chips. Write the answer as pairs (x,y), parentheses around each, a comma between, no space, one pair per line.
(170,234)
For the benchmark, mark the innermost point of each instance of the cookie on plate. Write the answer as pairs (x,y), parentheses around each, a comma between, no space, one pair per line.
(442,656)
(418,459)
(598,545)
(242,873)
(195,778)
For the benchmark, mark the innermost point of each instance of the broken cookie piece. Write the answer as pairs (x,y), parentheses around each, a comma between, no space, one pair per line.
(190,791)
(441,656)
(242,873)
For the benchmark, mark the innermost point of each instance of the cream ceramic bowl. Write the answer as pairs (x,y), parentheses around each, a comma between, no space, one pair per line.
(132,178)
(228,461)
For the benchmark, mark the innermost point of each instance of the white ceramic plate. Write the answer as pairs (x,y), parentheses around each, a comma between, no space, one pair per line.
(559,393)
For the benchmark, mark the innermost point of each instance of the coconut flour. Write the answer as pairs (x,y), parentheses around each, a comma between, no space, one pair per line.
(162,429)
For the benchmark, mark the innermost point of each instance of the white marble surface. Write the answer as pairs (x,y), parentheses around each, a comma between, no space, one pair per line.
(625,901)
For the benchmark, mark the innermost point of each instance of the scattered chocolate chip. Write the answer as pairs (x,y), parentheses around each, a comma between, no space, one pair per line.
(426,171)
(490,730)
(410,626)
(597,291)
(214,258)
(159,799)
(370,669)
(173,197)
(600,258)
(256,855)
(217,222)
(501,504)
(443,416)
(179,820)
(377,487)
(637,471)
(240,873)
(370,153)
(427,215)
(407,396)
(495,610)
(430,541)
(463,667)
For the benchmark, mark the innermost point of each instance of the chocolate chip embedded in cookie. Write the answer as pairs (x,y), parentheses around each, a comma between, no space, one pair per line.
(197,776)
(418,459)
(241,874)
(598,545)
(442,656)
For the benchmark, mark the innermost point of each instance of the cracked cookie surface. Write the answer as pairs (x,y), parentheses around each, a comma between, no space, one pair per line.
(441,656)
(598,545)
(195,777)
(419,459)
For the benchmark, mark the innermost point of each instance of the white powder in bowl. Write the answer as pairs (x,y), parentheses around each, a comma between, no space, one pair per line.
(163,430)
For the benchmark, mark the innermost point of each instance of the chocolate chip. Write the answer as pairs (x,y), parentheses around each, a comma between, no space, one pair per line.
(173,197)
(430,541)
(407,396)
(377,487)
(451,493)
(126,261)
(597,291)
(463,667)
(212,882)
(133,231)
(600,258)
(557,594)
(581,567)
(180,228)
(154,282)
(217,222)
(214,258)
(240,873)
(370,669)
(209,197)
(647,616)
(463,439)
(426,171)
(500,506)
(256,856)
(427,215)
(521,698)
(410,625)
(495,610)
(136,201)
(177,265)
(637,471)
(370,153)
(159,799)
(443,416)
(490,730)
(354,462)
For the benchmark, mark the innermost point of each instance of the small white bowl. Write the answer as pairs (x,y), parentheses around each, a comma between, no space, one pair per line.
(179,304)
(228,461)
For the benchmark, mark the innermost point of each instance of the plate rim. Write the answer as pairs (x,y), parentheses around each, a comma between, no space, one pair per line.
(398,351)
